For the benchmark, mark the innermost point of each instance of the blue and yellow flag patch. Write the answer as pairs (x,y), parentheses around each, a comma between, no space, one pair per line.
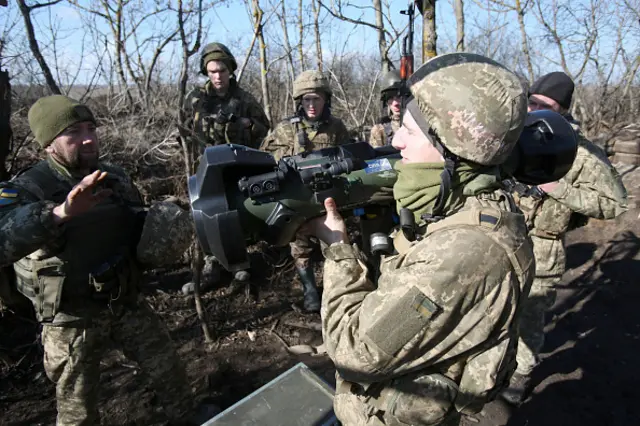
(8,196)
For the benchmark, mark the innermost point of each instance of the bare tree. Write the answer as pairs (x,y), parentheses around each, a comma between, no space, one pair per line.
(282,17)
(429,34)
(459,11)
(382,41)
(26,10)
(190,150)
(301,37)
(258,16)
(520,10)
(337,11)
(315,4)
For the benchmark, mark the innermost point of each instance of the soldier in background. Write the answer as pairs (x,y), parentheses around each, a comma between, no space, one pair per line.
(78,236)
(592,187)
(436,337)
(311,128)
(221,112)
(391,94)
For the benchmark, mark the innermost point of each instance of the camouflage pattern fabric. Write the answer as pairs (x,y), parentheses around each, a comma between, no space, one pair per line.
(167,233)
(301,249)
(75,315)
(482,126)
(203,106)
(283,140)
(72,361)
(413,348)
(378,136)
(593,188)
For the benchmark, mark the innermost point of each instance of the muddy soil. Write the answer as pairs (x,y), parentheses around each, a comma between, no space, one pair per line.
(589,374)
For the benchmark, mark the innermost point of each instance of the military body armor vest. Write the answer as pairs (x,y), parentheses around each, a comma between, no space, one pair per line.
(97,244)
(311,138)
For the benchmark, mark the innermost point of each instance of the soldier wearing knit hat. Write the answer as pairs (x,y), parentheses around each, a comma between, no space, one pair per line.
(592,188)
(552,91)
(66,130)
(71,228)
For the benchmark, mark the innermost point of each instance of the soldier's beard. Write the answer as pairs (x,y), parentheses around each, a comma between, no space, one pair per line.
(86,161)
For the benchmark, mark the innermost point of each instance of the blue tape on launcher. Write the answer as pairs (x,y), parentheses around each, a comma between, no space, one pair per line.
(8,196)
(378,165)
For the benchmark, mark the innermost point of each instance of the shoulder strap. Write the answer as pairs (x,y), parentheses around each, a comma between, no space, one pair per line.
(301,134)
(42,176)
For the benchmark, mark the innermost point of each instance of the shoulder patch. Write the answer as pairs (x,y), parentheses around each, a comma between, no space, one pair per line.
(8,193)
(8,196)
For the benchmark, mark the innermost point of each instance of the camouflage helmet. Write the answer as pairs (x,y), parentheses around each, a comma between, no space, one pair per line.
(476,106)
(390,81)
(166,235)
(217,52)
(311,81)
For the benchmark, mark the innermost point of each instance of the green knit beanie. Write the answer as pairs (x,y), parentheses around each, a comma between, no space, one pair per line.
(51,115)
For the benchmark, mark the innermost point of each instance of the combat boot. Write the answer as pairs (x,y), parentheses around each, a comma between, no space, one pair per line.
(311,296)
(518,389)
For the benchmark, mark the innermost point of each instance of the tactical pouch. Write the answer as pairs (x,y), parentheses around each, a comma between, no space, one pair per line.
(42,283)
(106,278)
(48,292)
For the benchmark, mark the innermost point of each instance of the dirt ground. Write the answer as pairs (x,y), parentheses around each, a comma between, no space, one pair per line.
(588,376)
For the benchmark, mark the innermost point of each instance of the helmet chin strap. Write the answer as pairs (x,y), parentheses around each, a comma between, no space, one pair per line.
(450,163)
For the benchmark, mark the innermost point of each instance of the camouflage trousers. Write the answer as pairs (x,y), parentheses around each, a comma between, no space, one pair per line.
(301,249)
(550,265)
(72,357)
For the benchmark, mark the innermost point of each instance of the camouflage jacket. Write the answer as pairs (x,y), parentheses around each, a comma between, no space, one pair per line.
(284,141)
(54,263)
(440,328)
(592,187)
(382,133)
(212,120)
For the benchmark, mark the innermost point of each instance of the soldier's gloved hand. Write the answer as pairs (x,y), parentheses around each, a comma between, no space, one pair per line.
(82,197)
(330,228)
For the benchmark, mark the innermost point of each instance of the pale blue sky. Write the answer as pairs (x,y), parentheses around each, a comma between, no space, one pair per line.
(229,22)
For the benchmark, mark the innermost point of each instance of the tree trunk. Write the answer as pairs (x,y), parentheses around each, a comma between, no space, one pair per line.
(258,15)
(429,35)
(287,45)
(525,43)
(316,30)
(301,37)
(35,49)
(116,28)
(5,123)
(382,41)
(189,153)
(459,11)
